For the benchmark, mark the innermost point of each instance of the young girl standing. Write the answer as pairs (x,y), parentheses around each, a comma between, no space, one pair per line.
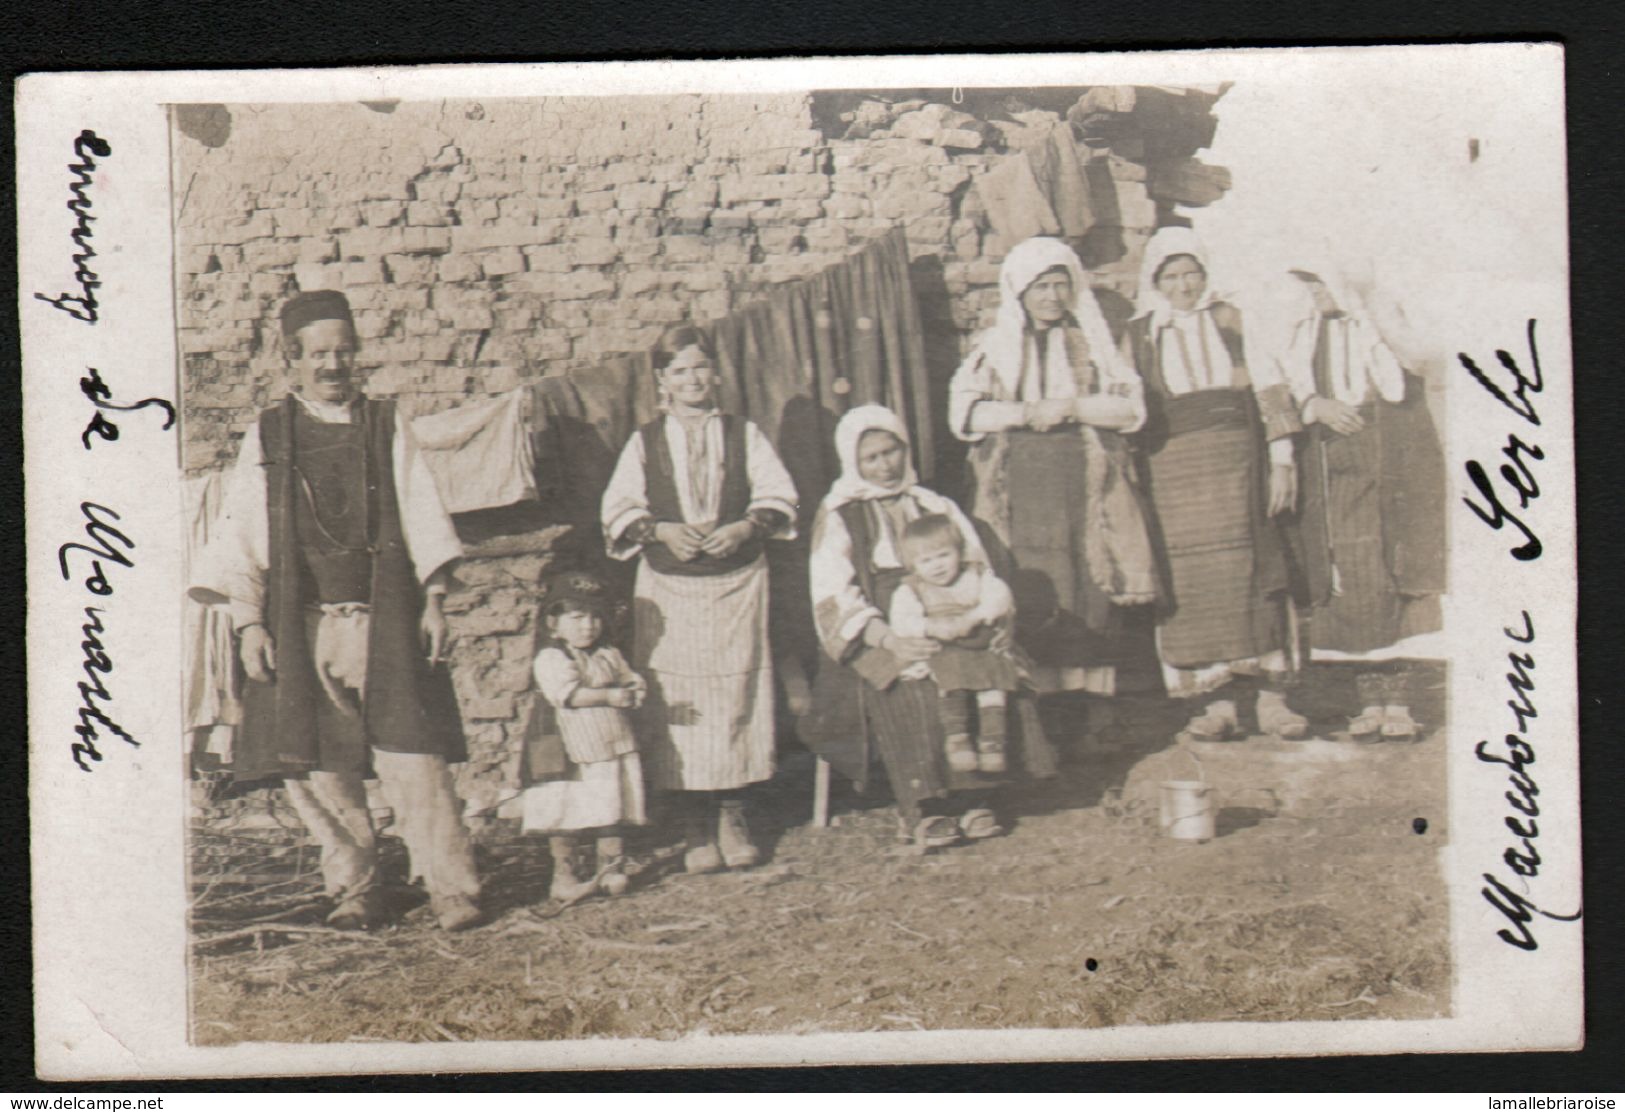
(592,689)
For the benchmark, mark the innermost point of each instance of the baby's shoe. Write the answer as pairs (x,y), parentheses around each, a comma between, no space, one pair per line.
(568,889)
(962,754)
(990,755)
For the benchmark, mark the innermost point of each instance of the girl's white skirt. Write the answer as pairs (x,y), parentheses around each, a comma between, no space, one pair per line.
(602,793)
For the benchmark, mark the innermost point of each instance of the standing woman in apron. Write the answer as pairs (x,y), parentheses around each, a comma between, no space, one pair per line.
(697,493)
(1373,496)
(1046,399)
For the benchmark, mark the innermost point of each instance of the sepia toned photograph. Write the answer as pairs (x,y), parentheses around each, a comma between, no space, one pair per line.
(648,404)
(843,560)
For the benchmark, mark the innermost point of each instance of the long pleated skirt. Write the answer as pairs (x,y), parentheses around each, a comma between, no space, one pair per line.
(701,641)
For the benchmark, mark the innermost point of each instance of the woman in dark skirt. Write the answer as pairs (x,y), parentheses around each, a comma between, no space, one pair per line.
(1373,497)
(1219,447)
(861,702)
(1045,399)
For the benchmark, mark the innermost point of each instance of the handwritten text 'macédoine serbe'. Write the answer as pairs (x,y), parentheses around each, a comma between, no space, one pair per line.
(1516,752)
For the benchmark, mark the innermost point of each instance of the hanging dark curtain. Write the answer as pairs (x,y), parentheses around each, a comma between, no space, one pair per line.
(793,362)
(798,359)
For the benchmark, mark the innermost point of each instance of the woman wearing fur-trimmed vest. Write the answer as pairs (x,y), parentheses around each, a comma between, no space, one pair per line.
(698,493)
(1046,401)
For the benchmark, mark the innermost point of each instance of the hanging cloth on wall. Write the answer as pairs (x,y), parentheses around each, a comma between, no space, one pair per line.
(792,362)
(1039,191)
(809,351)
(213,706)
(579,422)
(479,453)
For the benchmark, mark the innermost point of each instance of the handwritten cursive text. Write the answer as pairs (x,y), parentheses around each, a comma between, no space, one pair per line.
(105,542)
(1516,473)
(86,148)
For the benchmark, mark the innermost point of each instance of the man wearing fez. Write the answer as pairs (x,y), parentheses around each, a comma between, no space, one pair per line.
(333,557)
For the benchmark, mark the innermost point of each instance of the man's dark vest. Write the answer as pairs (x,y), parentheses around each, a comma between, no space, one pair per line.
(660,485)
(336,536)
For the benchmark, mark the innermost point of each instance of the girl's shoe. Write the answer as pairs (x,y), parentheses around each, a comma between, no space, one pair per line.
(567,889)
(614,882)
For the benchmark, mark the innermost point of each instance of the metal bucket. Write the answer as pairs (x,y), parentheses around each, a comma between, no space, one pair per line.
(1187,810)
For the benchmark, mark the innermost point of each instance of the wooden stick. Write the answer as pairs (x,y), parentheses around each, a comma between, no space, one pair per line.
(821,793)
(275,928)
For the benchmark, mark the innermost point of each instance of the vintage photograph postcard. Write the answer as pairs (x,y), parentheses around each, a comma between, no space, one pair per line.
(911,559)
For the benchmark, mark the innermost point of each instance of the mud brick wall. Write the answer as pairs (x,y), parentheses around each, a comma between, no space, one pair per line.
(487,244)
(493,618)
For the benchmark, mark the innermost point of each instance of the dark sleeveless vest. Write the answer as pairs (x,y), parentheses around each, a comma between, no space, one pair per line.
(660,485)
(336,536)
(1167,415)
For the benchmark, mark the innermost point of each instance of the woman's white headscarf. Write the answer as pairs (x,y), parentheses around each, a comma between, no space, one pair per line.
(852,487)
(1167,243)
(1293,319)
(1007,344)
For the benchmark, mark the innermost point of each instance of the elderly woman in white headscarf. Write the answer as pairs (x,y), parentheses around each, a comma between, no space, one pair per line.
(1373,489)
(864,697)
(1219,449)
(1044,399)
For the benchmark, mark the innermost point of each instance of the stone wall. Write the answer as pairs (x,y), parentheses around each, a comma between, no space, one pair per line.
(487,244)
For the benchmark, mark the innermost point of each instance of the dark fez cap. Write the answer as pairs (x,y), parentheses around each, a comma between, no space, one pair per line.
(577,588)
(312,306)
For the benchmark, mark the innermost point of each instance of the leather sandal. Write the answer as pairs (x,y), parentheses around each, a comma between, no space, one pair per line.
(1398,725)
(364,912)
(455,913)
(1210,725)
(705,858)
(935,831)
(1366,725)
(979,822)
(1282,721)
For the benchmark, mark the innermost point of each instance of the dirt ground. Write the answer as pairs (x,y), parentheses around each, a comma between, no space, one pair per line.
(1320,899)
